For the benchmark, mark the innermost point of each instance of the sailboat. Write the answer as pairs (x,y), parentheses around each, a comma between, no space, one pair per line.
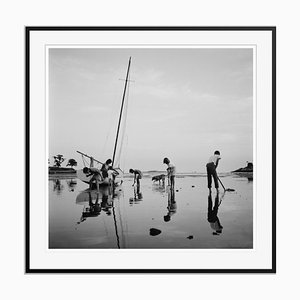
(115,172)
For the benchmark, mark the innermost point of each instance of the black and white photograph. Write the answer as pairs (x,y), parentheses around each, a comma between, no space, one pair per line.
(152,146)
(149,149)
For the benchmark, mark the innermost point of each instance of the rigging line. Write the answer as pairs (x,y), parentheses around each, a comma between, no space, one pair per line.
(84,162)
(124,155)
(94,159)
(110,125)
(97,164)
(125,137)
(104,145)
(124,122)
(126,152)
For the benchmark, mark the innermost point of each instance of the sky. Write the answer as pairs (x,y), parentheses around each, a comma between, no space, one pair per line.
(182,104)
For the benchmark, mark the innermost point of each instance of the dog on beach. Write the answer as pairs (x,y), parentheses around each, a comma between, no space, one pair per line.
(159,178)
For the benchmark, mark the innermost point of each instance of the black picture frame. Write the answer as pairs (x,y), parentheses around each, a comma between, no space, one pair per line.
(28,30)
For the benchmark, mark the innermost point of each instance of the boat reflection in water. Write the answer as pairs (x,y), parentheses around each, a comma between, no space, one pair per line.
(212,214)
(93,209)
(94,202)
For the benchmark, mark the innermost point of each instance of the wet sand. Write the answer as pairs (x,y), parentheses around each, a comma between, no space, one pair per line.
(152,217)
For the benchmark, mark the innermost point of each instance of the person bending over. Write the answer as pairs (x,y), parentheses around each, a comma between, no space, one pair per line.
(211,169)
(95,174)
(137,177)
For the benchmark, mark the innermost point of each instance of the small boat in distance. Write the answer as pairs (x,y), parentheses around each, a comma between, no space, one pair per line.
(119,178)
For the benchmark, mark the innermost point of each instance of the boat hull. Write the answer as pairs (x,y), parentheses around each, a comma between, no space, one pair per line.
(106,182)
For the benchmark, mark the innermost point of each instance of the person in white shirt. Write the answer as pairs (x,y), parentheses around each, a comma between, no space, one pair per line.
(211,168)
(171,172)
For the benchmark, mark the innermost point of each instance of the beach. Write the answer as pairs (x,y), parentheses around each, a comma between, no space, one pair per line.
(152,217)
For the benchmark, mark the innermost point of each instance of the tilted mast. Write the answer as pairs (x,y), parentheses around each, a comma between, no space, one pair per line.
(121,111)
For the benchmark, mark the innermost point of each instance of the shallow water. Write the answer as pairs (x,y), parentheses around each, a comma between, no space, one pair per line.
(152,217)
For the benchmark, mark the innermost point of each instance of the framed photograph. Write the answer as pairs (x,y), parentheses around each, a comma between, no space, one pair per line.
(150,149)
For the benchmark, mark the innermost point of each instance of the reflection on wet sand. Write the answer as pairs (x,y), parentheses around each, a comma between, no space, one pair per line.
(57,186)
(212,214)
(172,206)
(159,188)
(71,184)
(137,196)
(93,210)
(164,218)
(248,175)
(92,198)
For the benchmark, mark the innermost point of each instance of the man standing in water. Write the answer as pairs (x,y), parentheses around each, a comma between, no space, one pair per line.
(211,167)
(137,176)
(171,172)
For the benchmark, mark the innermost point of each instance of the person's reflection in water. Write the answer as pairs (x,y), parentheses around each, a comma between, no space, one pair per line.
(58,187)
(172,205)
(107,202)
(93,210)
(212,214)
(137,195)
(71,184)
